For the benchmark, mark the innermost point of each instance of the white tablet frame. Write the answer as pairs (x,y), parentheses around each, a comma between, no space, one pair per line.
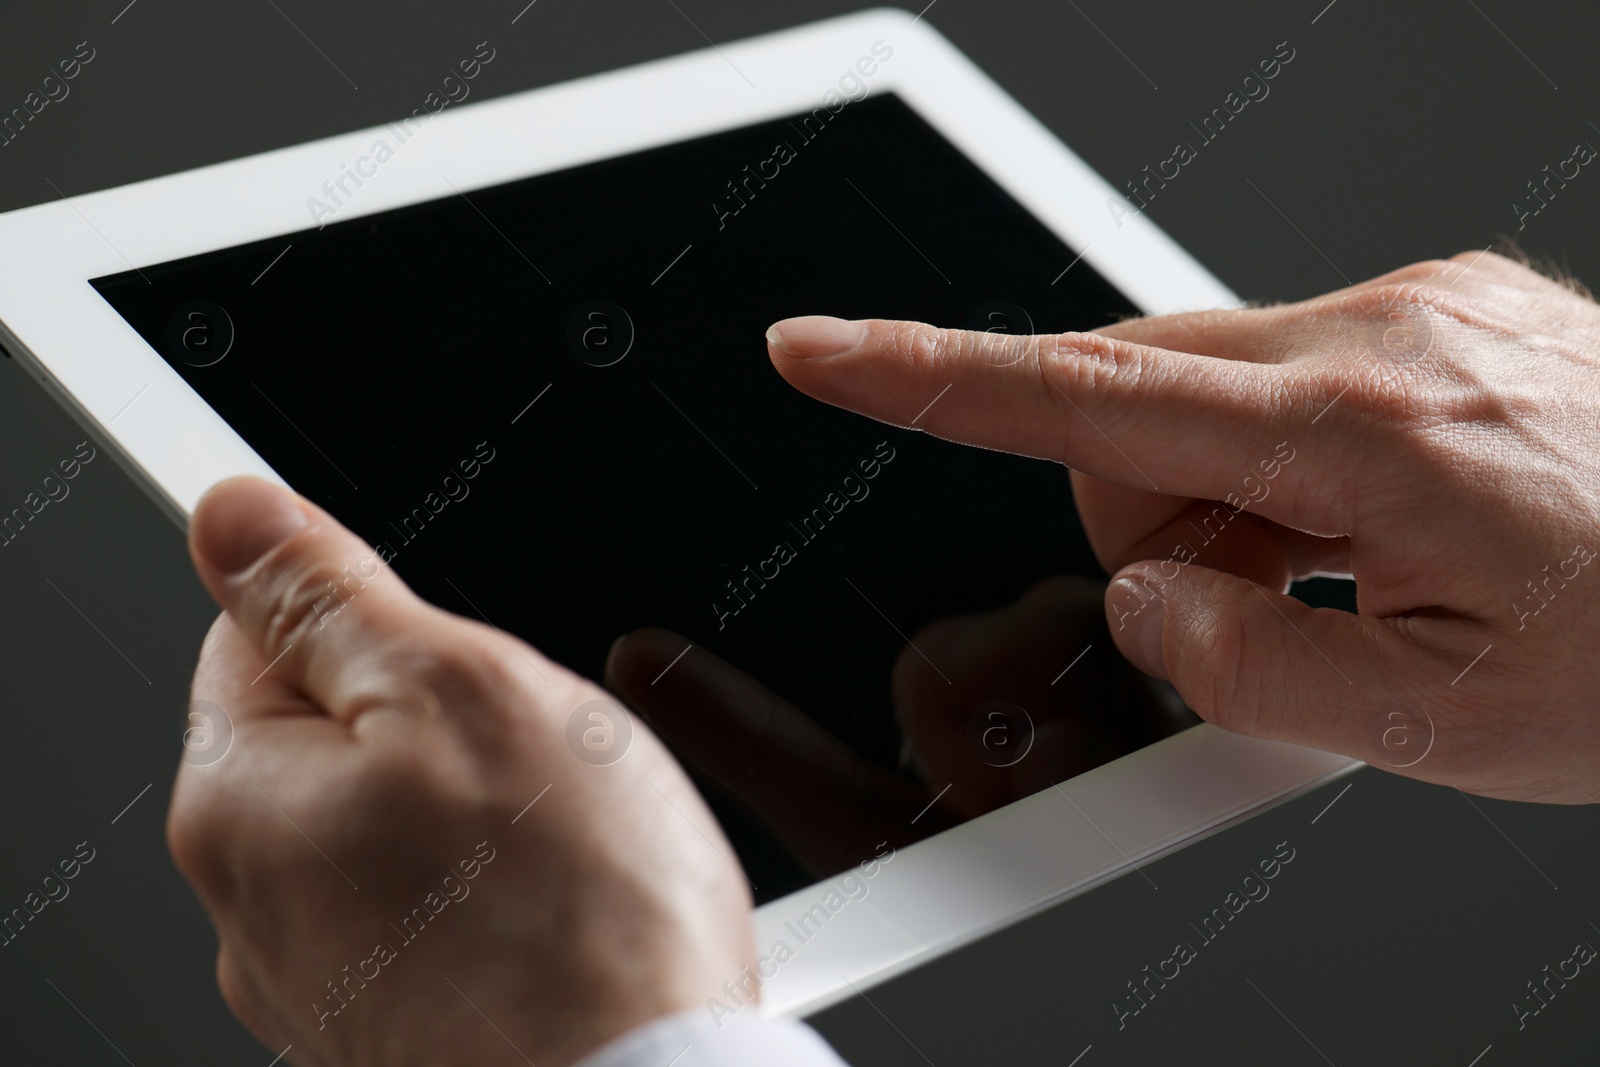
(933,896)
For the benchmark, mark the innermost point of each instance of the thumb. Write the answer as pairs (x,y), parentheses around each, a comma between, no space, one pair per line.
(1258,662)
(313,600)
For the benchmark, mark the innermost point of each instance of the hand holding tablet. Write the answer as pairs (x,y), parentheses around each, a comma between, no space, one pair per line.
(1431,432)
(400,808)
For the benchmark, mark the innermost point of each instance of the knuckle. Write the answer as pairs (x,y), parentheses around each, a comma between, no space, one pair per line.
(1086,365)
(1423,271)
(1381,301)
(929,349)
(923,347)
(1426,297)
(299,593)
(1452,266)
(1086,347)
(1401,356)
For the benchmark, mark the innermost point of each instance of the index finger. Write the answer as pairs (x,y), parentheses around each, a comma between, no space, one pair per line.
(1148,418)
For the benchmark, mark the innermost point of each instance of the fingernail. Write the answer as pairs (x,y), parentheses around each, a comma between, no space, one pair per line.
(1137,610)
(815,336)
(240,520)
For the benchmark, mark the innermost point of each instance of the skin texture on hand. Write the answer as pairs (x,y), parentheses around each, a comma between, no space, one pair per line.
(376,794)
(1434,433)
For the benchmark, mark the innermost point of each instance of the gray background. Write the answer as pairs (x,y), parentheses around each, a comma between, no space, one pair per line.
(1408,921)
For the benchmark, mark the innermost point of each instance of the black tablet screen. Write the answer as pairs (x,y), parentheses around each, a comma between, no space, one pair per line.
(549,405)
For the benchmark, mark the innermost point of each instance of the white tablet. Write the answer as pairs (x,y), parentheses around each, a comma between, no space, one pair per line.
(518,345)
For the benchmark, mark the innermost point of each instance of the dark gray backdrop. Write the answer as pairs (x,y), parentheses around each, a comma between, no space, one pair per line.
(1411,917)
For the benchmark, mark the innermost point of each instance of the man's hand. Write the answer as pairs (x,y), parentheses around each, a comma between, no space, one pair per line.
(383,892)
(1434,433)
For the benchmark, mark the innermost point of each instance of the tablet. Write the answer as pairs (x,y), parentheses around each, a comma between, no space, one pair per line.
(517,345)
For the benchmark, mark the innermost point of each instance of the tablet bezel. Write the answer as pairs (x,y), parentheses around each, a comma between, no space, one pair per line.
(933,896)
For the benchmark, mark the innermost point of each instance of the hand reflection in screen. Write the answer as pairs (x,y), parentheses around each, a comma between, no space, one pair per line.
(986,727)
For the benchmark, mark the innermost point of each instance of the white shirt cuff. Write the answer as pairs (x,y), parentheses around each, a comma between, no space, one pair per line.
(694,1039)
